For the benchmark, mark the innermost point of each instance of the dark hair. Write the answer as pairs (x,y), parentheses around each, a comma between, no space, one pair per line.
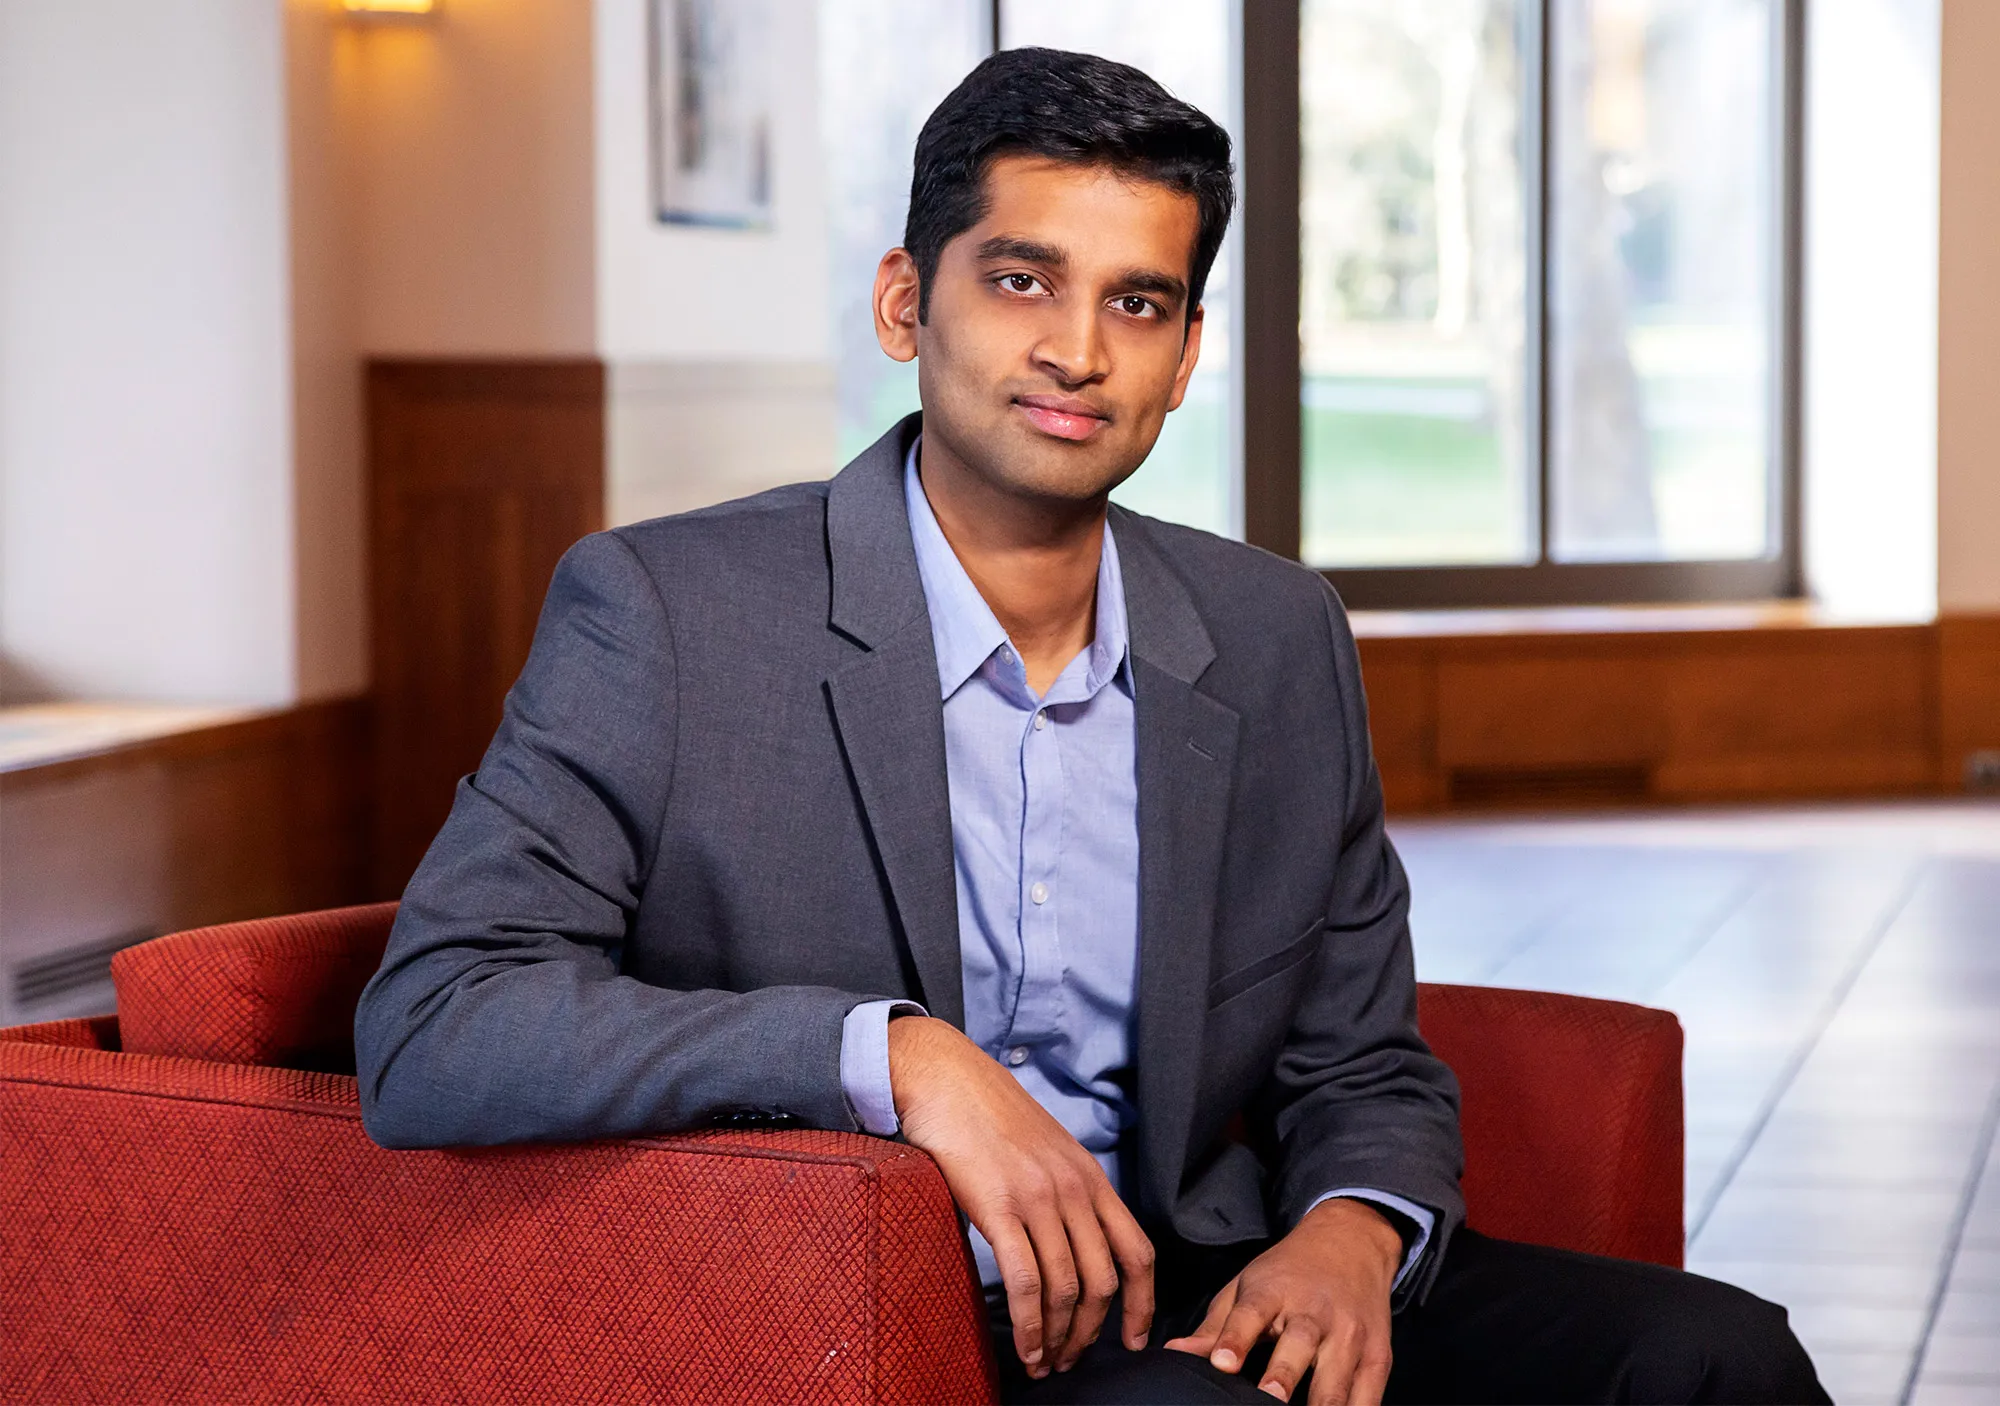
(1070,107)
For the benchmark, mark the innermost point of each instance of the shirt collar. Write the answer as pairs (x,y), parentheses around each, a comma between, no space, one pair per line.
(964,630)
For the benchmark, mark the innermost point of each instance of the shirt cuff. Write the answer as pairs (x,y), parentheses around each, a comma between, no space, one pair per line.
(1424,1218)
(864,1064)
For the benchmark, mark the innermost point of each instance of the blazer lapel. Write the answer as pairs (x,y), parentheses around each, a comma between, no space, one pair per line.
(1186,754)
(887,710)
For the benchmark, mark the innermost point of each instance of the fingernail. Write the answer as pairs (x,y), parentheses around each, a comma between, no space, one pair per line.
(1034,1357)
(1276,1389)
(1224,1360)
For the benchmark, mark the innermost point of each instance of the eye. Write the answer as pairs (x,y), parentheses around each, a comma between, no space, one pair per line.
(1020,283)
(1132,305)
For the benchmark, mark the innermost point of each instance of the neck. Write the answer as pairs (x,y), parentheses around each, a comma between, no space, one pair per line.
(1034,561)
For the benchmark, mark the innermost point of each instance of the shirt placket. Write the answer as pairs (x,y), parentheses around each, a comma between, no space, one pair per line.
(1039,1011)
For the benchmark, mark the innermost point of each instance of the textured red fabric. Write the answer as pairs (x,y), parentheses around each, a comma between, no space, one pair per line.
(189,1226)
(1572,1117)
(277,991)
(176,1230)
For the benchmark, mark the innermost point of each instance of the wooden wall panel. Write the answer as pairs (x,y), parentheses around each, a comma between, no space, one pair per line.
(1402,722)
(1968,693)
(482,474)
(241,820)
(1785,709)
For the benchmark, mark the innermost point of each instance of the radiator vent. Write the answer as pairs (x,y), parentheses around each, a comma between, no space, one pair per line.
(1550,786)
(72,969)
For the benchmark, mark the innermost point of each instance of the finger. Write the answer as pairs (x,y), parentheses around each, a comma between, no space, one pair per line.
(1097,1279)
(1296,1349)
(1371,1378)
(1134,1252)
(1201,1341)
(1333,1368)
(1246,1323)
(1058,1275)
(1022,1279)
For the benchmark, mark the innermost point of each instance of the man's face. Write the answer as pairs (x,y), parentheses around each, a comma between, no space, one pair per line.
(1057,337)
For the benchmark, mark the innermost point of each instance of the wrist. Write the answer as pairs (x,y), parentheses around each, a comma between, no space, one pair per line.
(1353,1219)
(913,1045)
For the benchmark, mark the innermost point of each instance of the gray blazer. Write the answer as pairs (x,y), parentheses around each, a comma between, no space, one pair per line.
(714,818)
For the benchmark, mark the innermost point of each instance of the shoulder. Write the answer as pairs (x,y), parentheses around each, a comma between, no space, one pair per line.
(1236,587)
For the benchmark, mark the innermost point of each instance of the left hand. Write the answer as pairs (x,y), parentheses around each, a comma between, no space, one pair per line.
(1323,1293)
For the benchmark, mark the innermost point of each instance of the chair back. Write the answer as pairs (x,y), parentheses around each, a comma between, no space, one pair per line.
(275,991)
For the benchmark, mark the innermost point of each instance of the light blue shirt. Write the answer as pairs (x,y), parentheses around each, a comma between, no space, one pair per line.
(1045,835)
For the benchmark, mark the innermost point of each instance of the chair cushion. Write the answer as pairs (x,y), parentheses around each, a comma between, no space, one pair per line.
(276,991)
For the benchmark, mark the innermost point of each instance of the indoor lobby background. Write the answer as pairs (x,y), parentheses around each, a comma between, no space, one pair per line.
(1631,366)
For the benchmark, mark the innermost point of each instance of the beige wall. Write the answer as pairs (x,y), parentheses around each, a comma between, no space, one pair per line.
(473,143)
(328,529)
(1969,311)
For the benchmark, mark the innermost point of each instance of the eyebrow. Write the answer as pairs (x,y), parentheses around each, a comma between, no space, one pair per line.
(1009,246)
(1004,247)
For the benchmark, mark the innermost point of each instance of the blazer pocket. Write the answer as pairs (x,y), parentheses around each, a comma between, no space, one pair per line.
(1232,984)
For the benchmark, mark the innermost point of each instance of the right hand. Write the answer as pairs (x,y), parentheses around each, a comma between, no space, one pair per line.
(1063,1238)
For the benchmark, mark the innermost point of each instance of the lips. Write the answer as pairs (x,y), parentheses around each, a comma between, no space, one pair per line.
(1061,416)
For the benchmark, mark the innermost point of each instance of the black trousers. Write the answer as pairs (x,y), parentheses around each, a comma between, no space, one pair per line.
(1503,1323)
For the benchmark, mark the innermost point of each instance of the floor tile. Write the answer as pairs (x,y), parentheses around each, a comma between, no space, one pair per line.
(1962,1354)
(1969,1310)
(1887,1284)
(1964,1391)
(1851,1377)
(1812,1224)
(1858,1326)
(1976,1267)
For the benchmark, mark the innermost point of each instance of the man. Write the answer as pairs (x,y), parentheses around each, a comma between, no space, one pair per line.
(946,801)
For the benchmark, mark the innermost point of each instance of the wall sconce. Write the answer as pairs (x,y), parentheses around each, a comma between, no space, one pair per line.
(389,9)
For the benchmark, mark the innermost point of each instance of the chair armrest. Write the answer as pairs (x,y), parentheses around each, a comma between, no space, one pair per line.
(1572,1116)
(264,1249)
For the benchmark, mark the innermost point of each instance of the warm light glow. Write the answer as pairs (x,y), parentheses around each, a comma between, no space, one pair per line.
(389,7)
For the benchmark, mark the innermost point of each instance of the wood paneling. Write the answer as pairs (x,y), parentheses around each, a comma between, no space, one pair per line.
(1968,692)
(1773,709)
(240,820)
(481,475)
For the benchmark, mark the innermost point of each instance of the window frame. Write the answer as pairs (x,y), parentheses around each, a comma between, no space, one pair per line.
(1272,428)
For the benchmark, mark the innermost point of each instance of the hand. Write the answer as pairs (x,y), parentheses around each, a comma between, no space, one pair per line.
(1062,1236)
(1323,1293)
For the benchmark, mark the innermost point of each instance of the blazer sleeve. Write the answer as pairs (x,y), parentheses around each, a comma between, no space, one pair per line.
(1356,1097)
(500,1013)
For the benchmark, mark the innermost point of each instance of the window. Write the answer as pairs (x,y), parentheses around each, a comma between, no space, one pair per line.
(1510,312)
(1544,302)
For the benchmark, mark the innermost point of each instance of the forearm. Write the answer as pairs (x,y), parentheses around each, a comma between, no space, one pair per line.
(554,1051)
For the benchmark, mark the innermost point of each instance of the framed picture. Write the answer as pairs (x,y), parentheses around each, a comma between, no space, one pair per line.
(713,88)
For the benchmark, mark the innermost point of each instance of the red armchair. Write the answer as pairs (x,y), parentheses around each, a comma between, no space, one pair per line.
(189,1209)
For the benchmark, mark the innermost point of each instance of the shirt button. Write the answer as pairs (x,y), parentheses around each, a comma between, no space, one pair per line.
(1040,893)
(1018,1056)
(1041,721)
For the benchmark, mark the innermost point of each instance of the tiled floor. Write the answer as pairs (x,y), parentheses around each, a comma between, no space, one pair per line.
(1838,974)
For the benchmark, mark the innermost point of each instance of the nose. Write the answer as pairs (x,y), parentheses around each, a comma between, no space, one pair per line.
(1072,348)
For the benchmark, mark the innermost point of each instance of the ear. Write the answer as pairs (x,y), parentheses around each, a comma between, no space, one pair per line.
(896,304)
(1190,354)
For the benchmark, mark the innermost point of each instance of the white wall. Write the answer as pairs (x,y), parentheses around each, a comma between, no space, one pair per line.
(145,386)
(1871,306)
(676,293)
(718,343)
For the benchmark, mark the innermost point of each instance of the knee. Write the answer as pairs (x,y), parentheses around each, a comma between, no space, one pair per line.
(1716,1342)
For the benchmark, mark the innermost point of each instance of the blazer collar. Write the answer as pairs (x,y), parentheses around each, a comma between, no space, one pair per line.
(878,590)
